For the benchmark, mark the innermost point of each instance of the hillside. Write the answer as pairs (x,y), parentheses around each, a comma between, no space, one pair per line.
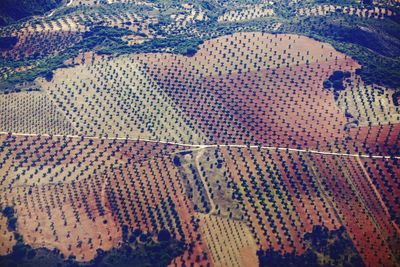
(205,133)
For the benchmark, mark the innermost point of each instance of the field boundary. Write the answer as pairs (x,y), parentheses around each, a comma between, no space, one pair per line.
(205,146)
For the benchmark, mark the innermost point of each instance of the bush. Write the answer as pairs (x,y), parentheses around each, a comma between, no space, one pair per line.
(338,85)
(177,161)
(8,212)
(164,235)
(8,42)
(12,224)
(327,84)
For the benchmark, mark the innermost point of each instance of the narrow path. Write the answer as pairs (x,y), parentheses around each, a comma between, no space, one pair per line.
(203,180)
(200,146)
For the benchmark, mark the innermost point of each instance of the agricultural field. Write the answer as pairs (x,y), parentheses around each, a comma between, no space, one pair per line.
(253,12)
(378,101)
(39,114)
(375,12)
(255,99)
(205,133)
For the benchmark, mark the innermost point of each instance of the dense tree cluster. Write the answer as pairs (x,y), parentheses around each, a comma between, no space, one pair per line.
(324,248)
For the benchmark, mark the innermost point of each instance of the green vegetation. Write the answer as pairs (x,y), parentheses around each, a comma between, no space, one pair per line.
(24,256)
(103,40)
(139,249)
(207,5)
(191,178)
(337,2)
(141,252)
(177,161)
(8,212)
(335,82)
(150,253)
(98,38)
(323,248)
(375,44)
(396,98)
(367,2)
(13,10)
(176,44)
(7,42)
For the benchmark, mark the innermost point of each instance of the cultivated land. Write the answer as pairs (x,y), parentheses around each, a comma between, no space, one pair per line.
(196,134)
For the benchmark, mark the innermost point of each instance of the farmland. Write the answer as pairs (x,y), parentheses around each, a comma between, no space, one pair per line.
(108,198)
(213,133)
